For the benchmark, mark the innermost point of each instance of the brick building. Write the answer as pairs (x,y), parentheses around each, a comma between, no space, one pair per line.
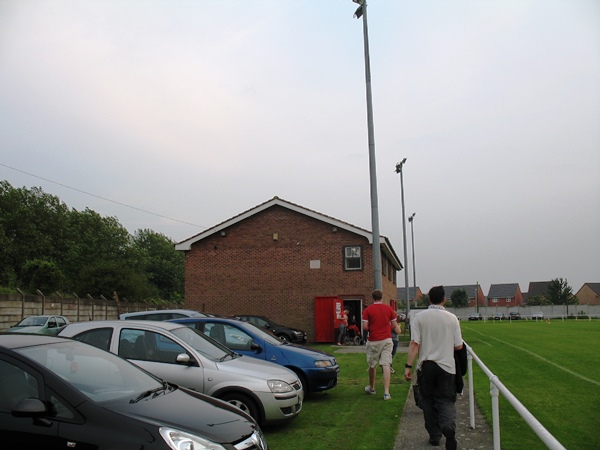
(508,294)
(279,259)
(589,294)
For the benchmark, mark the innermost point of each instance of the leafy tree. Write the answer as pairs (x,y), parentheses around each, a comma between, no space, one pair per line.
(42,275)
(45,245)
(537,300)
(105,278)
(459,298)
(163,265)
(424,300)
(560,293)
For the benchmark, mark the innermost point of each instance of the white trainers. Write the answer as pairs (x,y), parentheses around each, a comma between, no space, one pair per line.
(369,391)
(387,397)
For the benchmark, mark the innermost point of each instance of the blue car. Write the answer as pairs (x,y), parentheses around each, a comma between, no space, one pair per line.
(318,371)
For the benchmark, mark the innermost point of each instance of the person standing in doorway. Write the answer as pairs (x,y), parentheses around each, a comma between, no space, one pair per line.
(379,319)
(435,335)
(343,326)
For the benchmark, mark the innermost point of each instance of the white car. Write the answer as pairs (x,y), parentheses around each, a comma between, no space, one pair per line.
(270,393)
(537,315)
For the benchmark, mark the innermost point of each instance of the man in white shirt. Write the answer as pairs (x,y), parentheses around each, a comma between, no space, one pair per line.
(435,335)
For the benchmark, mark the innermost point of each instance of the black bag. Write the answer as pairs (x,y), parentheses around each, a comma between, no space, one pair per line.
(417,395)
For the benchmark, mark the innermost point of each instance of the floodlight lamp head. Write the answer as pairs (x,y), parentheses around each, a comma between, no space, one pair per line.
(399,166)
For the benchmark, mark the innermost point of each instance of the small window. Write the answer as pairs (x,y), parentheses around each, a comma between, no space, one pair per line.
(508,300)
(494,300)
(99,338)
(353,258)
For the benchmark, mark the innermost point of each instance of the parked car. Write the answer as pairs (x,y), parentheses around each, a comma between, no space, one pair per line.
(475,316)
(161,314)
(514,316)
(498,316)
(283,332)
(58,393)
(51,325)
(318,371)
(538,315)
(176,353)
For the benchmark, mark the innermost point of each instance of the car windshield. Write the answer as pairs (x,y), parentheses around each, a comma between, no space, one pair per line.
(268,337)
(99,375)
(36,321)
(204,344)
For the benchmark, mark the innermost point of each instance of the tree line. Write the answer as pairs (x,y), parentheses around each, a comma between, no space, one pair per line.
(50,247)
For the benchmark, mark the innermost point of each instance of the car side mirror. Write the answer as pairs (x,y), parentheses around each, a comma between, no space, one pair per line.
(184,359)
(34,408)
(267,326)
(255,347)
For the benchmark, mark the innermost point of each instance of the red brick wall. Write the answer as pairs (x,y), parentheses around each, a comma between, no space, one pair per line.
(248,271)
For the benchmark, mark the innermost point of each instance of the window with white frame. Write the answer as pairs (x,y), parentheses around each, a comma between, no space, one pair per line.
(508,300)
(494,300)
(353,257)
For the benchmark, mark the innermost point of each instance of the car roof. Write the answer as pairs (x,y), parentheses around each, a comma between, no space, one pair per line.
(148,324)
(159,311)
(13,340)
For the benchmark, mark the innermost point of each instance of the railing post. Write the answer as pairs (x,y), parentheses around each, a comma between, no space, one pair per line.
(471,390)
(495,393)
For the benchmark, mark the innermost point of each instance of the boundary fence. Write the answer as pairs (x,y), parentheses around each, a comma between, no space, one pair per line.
(16,306)
(497,388)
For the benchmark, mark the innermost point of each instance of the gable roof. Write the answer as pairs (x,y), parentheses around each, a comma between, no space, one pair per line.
(538,288)
(507,290)
(385,244)
(401,292)
(593,286)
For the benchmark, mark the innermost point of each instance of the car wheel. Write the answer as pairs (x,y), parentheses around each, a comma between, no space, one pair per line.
(284,338)
(303,382)
(243,402)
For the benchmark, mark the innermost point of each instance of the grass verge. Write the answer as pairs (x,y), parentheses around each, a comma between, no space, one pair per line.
(345,417)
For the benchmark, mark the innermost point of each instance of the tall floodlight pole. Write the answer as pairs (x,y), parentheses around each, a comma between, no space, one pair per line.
(399,170)
(412,235)
(362,11)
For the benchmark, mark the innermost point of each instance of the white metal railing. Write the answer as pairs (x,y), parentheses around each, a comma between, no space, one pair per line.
(497,387)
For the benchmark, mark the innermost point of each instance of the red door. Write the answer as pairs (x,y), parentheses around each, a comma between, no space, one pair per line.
(326,316)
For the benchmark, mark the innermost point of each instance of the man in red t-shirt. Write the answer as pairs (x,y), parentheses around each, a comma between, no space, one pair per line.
(379,319)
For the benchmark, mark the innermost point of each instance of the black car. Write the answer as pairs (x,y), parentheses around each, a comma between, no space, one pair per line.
(57,393)
(283,332)
(514,316)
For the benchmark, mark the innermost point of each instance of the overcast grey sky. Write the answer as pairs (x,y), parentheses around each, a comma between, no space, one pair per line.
(198,110)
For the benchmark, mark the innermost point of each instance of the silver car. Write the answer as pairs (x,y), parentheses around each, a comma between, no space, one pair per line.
(174,352)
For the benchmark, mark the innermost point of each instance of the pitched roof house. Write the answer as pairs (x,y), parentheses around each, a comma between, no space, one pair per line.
(474,292)
(508,294)
(412,294)
(285,261)
(589,294)
(536,289)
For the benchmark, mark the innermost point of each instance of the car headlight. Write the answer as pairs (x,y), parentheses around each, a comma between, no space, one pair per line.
(323,363)
(180,440)
(279,386)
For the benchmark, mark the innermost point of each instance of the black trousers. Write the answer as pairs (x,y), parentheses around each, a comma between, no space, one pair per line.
(438,397)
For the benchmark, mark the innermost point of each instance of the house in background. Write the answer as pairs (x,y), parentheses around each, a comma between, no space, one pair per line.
(413,293)
(589,294)
(474,293)
(288,263)
(508,294)
(536,289)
